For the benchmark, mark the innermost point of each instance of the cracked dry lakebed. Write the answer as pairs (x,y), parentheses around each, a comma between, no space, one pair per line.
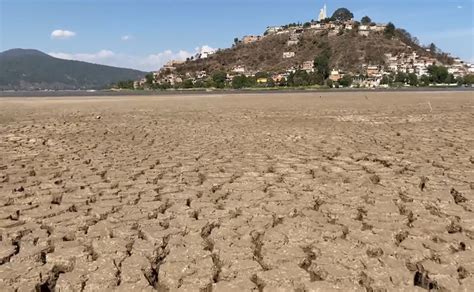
(336,191)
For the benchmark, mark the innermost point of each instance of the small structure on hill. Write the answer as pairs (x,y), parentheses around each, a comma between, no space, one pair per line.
(323,13)
(288,55)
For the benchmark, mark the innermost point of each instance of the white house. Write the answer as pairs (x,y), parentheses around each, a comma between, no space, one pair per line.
(292,42)
(205,52)
(273,29)
(239,69)
(470,68)
(364,30)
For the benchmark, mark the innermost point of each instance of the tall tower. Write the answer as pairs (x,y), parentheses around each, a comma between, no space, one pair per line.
(323,13)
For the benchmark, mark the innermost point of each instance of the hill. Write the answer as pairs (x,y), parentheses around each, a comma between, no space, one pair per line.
(22,69)
(349,51)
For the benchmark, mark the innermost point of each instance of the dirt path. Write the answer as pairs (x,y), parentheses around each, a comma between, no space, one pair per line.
(288,192)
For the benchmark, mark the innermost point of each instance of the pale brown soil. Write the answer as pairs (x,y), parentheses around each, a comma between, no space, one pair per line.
(278,192)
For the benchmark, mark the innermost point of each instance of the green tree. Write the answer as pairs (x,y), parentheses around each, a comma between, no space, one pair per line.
(164,86)
(389,30)
(208,83)
(401,77)
(469,79)
(385,80)
(149,78)
(188,83)
(239,82)
(342,14)
(251,81)
(128,84)
(315,78)
(365,20)
(270,82)
(412,79)
(321,64)
(219,78)
(438,74)
(306,24)
(199,84)
(425,80)
(300,78)
(450,79)
(433,48)
(346,81)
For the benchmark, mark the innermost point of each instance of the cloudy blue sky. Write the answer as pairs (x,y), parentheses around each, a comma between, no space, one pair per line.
(143,34)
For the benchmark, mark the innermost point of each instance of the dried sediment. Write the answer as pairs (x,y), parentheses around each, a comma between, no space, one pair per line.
(244,192)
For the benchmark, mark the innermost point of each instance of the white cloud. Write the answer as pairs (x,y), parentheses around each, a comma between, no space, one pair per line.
(459,7)
(62,34)
(126,38)
(204,49)
(150,62)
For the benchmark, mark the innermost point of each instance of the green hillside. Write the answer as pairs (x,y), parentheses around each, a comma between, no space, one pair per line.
(22,69)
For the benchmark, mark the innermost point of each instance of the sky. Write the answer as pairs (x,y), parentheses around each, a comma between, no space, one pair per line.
(145,34)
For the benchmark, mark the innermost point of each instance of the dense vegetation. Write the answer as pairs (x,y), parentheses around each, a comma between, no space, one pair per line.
(31,70)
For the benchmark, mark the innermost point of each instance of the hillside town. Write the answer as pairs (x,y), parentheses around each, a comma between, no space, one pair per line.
(408,68)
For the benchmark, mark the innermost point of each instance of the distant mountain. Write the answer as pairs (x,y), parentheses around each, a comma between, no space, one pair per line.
(22,69)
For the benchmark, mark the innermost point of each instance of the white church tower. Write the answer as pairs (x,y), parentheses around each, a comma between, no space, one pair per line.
(323,13)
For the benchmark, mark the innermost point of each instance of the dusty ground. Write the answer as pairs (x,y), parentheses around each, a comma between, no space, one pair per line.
(280,192)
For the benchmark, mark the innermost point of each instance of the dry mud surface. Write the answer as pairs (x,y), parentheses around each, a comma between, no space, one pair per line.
(277,192)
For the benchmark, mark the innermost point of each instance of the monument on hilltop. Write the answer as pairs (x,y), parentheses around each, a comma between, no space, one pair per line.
(323,13)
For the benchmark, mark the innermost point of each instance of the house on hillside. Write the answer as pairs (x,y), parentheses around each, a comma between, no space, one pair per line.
(288,55)
(373,71)
(335,75)
(318,26)
(201,74)
(204,53)
(239,69)
(277,78)
(171,65)
(298,31)
(392,62)
(308,66)
(139,84)
(171,79)
(273,30)
(379,27)
(292,43)
(470,68)
(248,39)
(364,30)
(367,82)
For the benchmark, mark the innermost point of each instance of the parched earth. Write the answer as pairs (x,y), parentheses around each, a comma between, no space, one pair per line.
(266,192)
